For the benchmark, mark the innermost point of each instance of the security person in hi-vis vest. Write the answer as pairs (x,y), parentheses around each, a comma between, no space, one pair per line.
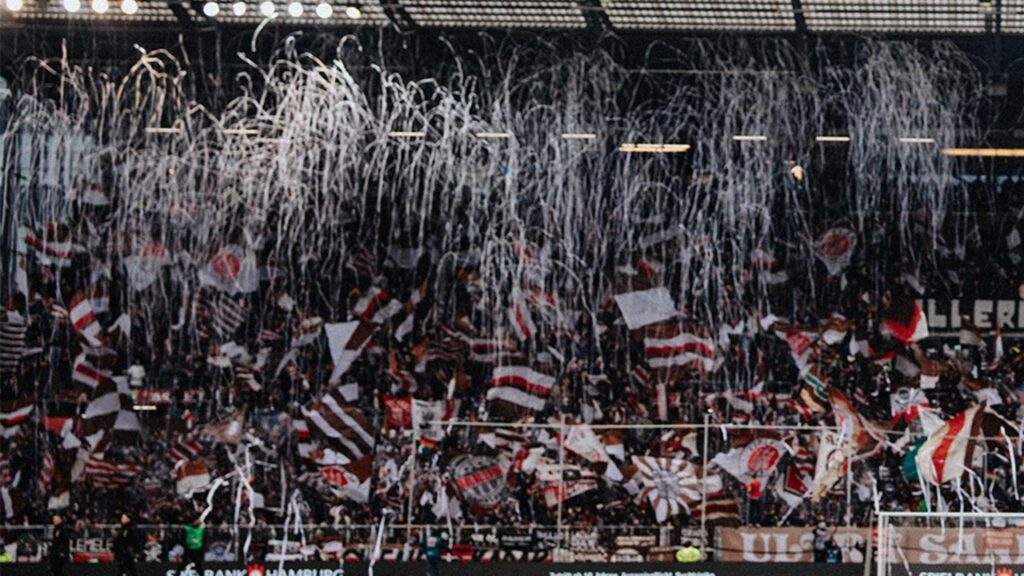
(688,553)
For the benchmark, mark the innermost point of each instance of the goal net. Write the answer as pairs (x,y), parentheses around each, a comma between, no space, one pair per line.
(949,544)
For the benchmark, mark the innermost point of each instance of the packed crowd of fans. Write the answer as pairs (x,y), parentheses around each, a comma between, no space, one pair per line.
(185,365)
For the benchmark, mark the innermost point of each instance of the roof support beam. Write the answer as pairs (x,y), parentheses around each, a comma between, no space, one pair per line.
(181,14)
(798,17)
(398,15)
(594,14)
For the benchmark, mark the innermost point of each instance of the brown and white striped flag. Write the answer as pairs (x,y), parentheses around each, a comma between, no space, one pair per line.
(341,426)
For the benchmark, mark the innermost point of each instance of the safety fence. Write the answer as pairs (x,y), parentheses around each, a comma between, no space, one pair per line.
(276,544)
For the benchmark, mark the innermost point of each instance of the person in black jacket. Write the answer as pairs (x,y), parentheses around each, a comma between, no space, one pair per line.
(60,547)
(126,546)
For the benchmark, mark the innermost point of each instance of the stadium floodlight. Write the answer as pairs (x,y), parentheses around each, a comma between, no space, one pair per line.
(493,135)
(72,5)
(648,148)
(162,130)
(14,5)
(324,10)
(268,9)
(129,7)
(295,9)
(238,8)
(211,9)
(984,152)
(353,11)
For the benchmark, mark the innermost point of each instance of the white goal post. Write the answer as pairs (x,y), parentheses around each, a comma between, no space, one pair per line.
(949,543)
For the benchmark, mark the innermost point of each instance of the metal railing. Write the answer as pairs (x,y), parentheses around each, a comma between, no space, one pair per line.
(320,542)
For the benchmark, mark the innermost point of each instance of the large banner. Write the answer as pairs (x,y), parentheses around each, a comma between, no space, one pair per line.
(450,569)
(784,544)
(945,315)
(931,546)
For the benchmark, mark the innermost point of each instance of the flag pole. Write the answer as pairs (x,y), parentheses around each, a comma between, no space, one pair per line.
(704,484)
(412,474)
(561,471)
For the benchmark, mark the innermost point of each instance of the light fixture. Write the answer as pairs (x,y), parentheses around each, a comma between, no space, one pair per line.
(211,9)
(324,10)
(353,12)
(832,138)
(129,7)
(295,9)
(143,407)
(647,148)
(749,138)
(238,8)
(267,8)
(72,5)
(100,6)
(494,135)
(14,5)
(242,131)
(578,136)
(162,130)
(916,140)
(406,134)
(985,152)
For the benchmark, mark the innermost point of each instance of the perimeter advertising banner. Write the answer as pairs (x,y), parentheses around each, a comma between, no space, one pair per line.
(929,546)
(451,569)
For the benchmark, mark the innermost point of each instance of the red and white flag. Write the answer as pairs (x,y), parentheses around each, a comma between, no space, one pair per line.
(905,402)
(54,248)
(232,270)
(14,412)
(755,461)
(489,350)
(947,453)
(375,306)
(105,474)
(520,318)
(680,350)
(86,373)
(560,483)
(83,319)
(904,320)
(350,480)
(184,450)
(835,249)
(514,389)
(143,268)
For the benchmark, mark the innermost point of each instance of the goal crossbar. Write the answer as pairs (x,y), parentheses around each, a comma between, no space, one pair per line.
(888,548)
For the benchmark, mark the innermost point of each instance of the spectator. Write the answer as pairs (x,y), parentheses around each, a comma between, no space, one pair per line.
(60,546)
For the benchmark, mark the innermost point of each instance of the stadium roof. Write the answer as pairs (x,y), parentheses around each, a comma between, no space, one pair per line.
(924,17)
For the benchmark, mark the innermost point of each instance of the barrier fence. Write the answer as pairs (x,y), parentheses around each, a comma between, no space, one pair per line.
(278,543)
